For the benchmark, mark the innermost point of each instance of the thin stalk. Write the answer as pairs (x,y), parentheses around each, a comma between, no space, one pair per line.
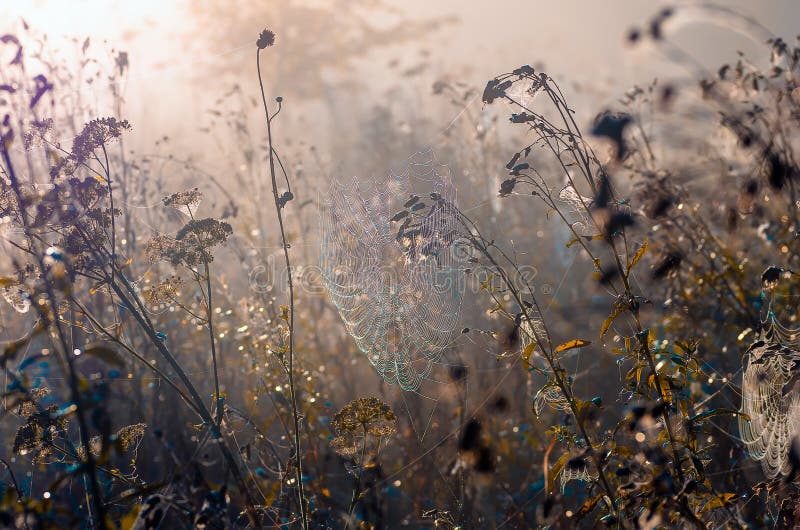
(555,367)
(217,396)
(278,208)
(99,512)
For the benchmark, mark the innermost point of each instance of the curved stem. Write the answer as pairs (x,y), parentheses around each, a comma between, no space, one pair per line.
(292,390)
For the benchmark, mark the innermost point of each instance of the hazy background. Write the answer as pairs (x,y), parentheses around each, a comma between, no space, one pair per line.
(362,55)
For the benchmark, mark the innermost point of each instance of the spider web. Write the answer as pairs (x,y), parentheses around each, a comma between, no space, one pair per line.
(771,397)
(398,291)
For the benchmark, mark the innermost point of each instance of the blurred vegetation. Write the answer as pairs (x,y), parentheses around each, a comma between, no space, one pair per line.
(162,370)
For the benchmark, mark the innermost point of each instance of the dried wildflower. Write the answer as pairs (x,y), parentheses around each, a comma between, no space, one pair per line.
(35,436)
(129,436)
(198,237)
(17,298)
(63,167)
(124,440)
(95,134)
(267,38)
(360,426)
(159,248)
(87,192)
(187,200)
(38,129)
(191,245)
(28,406)
(362,413)
(164,291)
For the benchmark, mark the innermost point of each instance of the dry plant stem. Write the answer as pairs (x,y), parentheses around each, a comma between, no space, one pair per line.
(555,366)
(99,515)
(143,320)
(586,157)
(218,403)
(17,491)
(189,402)
(357,480)
(278,208)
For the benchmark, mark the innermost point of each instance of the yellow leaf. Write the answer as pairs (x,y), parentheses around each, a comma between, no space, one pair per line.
(616,311)
(719,501)
(589,505)
(666,390)
(129,519)
(5,281)
(554,472)
(639,254)
(575,343)
(526,355)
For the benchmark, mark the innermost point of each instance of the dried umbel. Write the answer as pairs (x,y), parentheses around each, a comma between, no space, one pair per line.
(165,291)
(361,427)
(125,440)
(184,201)
(192,245)
(94,135)
(369,415)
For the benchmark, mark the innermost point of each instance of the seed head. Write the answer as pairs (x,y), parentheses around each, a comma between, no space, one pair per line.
(267,38)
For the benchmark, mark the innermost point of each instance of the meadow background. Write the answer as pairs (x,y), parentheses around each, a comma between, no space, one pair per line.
(201,387)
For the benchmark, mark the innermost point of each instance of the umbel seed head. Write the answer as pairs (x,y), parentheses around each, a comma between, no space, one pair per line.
(267,38)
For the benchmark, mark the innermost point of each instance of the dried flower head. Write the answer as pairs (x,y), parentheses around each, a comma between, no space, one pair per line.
(360,427)
(164,291)
(267,38)
(362,413)
(95,134)
(187,200)
(125,439)
(34,136)
(160,247)
(192,245)
(198,237)
(30,404)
